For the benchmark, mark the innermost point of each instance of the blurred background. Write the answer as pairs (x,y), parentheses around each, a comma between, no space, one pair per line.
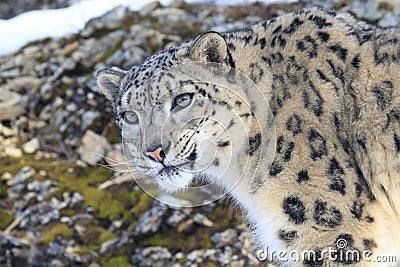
(58,206)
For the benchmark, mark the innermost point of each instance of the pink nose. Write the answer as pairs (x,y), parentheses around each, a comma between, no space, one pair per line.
(157,154)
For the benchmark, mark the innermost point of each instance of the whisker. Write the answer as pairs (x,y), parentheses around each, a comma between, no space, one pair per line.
(107,167)
(116,164)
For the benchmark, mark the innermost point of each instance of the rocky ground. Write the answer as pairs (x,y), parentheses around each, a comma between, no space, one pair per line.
(55,207)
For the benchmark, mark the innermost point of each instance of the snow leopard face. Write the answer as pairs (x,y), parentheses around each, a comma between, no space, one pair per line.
(175,135)
(181,117)
(175,127)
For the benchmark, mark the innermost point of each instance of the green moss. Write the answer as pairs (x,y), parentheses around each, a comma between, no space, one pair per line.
(386,6)
(84,180)
(122,194)
(144,201)
(68,212)
(207,264)
(96,175)
(161,240)
(121,261)
(3,190)
(83,250)
(103,202)
(106,235)
(13,165)
(57,229)
(175,241)
(117,202)
(6,219)
(95,236)
(199,240)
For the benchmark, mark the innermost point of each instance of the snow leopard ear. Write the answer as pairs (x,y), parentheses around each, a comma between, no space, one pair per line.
(109,81)
(209,47)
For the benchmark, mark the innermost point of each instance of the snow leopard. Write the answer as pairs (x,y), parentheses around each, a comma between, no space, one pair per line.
(332,86)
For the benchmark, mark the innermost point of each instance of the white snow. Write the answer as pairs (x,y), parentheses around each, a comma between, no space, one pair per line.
(38,24)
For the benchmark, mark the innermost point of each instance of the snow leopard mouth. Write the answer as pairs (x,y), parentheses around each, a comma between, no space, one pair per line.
(168,170)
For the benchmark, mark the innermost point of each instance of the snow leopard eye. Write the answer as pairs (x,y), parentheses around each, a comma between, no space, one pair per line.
(130,117)
(182,101)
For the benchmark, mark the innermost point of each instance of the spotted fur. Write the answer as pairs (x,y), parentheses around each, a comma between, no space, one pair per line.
(333,87)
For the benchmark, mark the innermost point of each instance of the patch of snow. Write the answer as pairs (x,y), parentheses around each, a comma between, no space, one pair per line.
(38,24)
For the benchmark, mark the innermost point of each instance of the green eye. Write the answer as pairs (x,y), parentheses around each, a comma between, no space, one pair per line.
(131,117)
(182,101)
